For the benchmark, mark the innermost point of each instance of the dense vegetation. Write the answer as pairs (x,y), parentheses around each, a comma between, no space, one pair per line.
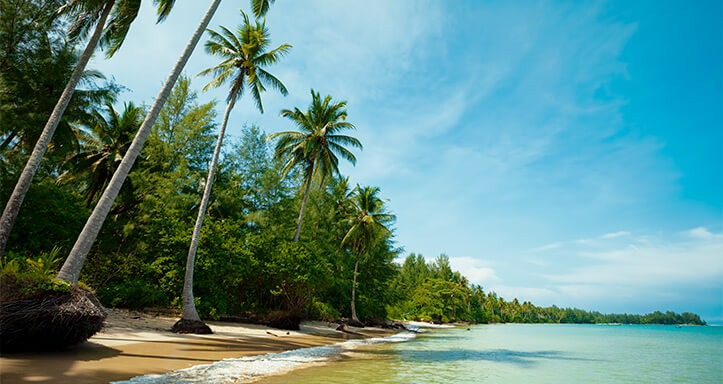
(433,291)
(281,232)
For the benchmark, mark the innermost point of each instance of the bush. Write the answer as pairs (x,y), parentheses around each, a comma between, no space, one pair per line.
(133,294)
(323,311)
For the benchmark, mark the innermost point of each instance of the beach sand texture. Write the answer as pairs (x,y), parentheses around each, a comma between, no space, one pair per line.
(134,343)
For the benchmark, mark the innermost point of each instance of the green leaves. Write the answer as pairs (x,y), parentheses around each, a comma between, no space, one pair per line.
(108,136)
(369,219)
(315,148)
(244,57)
(261,7)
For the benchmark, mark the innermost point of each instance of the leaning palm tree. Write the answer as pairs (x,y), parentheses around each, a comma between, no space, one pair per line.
(110,33)
(108,138)
(244,57)
(70,271)
(315,149)
(369,221)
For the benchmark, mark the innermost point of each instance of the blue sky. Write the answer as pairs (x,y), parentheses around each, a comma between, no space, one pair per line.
(566,153)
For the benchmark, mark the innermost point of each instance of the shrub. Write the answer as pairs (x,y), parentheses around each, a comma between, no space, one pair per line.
(323,311)
(133,294)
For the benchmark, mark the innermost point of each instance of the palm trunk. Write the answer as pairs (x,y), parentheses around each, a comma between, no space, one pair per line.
(303,205)
(353,289)
(189,308)
(12,208)
(74,263)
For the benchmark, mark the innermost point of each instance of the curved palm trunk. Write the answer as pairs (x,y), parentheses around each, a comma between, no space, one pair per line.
(189,308)
(353,290)
(74,263)
(12,208)
(303,205)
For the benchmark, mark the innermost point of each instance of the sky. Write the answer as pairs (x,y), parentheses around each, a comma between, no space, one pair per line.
(566,153)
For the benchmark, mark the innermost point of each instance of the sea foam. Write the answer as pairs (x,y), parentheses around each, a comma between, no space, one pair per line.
(254,367)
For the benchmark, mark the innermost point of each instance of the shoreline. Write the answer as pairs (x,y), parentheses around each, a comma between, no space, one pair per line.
(136,343)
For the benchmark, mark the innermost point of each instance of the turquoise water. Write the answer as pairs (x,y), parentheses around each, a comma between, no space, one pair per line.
(522,353)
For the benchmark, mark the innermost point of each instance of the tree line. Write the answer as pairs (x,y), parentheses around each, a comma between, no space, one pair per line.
(170,214)
(434,292)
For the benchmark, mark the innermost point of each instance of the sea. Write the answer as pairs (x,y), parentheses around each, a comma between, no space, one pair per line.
(495,353)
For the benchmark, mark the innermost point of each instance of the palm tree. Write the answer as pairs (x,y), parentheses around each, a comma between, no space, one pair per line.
(70,271)
(85,14)
(369,221)
(244,57)
(317,146)
(108,139)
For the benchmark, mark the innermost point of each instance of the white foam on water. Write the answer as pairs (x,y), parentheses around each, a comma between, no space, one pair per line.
(254,367)
(416,325)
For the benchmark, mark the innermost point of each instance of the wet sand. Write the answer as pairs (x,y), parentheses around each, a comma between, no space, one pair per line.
(135,343)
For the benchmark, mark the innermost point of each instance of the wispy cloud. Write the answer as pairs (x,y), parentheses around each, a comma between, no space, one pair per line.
(621,267)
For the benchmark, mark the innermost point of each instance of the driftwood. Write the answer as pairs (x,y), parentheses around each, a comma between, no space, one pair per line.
(345,328)
(50,320)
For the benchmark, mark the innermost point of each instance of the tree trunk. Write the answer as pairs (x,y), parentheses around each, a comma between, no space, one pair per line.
(74,263)
(12,208)
(189,308)
(303,204)
(353,291)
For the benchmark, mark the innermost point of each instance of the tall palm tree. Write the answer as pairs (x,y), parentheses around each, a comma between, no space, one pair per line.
(86,15)
(244,57)
(108,139)
(317,146)
(369,220)
(70,271)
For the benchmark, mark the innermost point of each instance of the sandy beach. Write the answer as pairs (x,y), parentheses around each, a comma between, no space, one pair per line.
(134,343)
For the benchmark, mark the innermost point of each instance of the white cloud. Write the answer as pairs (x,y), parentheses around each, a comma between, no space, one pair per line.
(700,233)
(647,262)
(548,247)
(535,295)
(474,269)
(614,235)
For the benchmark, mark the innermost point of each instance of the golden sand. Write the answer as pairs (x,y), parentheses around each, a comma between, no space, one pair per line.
(134,343)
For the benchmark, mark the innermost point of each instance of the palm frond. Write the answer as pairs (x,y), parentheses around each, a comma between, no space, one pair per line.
(261,7)
(164,8)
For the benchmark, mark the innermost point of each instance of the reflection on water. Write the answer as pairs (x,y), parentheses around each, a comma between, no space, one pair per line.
(498,355)
(533,354)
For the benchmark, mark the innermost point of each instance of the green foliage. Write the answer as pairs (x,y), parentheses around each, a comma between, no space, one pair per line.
(131,293)
(245,55)
(105,141)
(323,311)
(316,147)
(296,274)
(245,260)
(22,278)
(36,61)
(435,292)
(37,228)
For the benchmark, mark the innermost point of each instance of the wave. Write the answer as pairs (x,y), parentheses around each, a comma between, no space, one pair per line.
(418,325)
(254,367)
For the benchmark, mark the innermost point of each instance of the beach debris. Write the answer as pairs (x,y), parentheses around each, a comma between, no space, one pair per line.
(50,320)
(345,328)
(272,334)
